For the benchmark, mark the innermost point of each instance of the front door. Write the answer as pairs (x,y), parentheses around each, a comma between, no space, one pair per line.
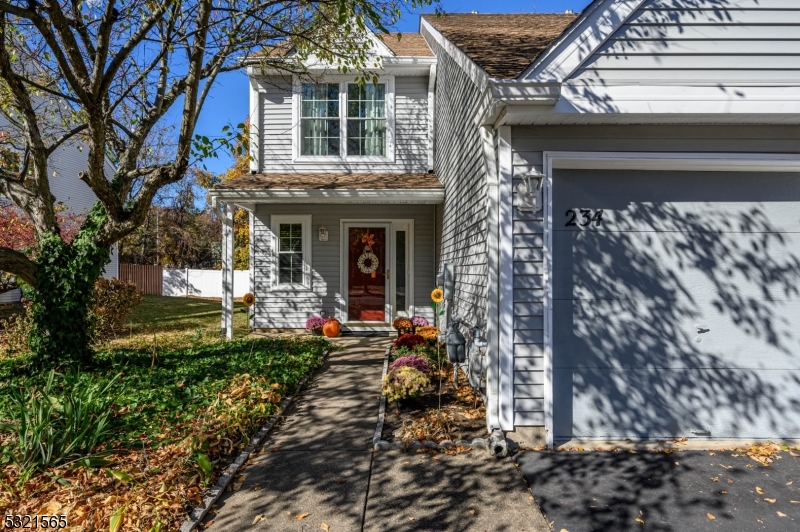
(378,266)
(367,280)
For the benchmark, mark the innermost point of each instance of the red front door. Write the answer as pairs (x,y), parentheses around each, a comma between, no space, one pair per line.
(366,274)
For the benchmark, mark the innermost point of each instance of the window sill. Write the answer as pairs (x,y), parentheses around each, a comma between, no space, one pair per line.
(342,160)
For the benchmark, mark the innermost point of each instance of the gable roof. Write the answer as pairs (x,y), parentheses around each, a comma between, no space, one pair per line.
(409,45)
(502,45)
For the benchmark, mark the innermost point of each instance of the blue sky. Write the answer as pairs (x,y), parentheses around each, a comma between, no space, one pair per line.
(228,101)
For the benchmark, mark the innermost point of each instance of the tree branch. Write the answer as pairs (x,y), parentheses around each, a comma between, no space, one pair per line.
(17,263)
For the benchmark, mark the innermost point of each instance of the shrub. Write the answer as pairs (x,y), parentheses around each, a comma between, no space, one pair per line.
(436,360)
(62,421)
(403,383)
(113,303)
(419,321)
(402,324)
(429,333)
(412,361)
(315,323)
(17,329)
(409,341)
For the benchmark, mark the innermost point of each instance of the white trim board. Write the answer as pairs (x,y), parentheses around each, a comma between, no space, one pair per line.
(700,162)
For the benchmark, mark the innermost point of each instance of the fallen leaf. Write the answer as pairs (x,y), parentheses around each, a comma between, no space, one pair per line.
(792,453)
(639,520)
(563,530)
(714,479)
(759,491)
(236,485)
(730,481)
(771,501)
(325,527)
(257,487)
(723,492)
(781,514)
(435,457)
(710,516)
(259,518)
(711,454)
(789,483)
(341,480)
(301,516)
(472,511)
(795,502)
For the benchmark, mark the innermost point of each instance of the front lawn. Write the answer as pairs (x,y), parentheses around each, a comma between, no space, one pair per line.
(184,402)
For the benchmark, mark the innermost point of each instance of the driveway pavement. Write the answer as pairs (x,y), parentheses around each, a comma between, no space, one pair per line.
(688,490)
(318,470)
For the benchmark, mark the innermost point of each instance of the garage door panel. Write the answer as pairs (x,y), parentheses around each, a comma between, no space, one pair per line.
(677,310)
(677,201)
(671,266)
(646,333)
(651,403)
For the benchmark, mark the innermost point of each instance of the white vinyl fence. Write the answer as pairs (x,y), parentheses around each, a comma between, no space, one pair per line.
(202,283)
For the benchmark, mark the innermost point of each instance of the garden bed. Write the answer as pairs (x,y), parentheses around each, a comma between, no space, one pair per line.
(423,404)
(460,416)
(183,404)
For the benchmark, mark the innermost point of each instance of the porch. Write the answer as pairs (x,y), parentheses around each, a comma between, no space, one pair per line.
(359,248)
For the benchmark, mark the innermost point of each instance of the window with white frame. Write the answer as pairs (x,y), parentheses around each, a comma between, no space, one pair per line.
(319,119)
(342,120)
(292,236)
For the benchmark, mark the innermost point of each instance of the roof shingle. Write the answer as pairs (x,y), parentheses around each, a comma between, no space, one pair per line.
(409,45)
(330,181)
(502,45)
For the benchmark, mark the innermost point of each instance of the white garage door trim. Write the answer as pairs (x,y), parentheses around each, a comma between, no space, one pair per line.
(702,162)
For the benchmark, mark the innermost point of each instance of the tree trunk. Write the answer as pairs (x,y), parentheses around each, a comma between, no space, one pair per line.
(62,298)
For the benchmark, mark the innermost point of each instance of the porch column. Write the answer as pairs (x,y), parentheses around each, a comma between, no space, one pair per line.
(227,271)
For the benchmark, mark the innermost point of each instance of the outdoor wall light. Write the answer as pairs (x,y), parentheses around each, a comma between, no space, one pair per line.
(529,193)
(323,234)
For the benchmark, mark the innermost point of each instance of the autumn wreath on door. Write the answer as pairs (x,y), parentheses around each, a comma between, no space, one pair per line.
(368,262)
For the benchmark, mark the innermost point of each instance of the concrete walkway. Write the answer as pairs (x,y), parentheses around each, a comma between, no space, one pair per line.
(320,462)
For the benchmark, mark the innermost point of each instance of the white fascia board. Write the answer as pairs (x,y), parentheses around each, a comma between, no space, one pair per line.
(692,162)
(527,92)
(341,195)
(398,65)
(573,48)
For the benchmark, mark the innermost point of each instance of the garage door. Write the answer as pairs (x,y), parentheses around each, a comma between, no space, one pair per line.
(676,304)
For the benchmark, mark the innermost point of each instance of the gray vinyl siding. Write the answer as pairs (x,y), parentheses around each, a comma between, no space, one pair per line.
(291,308)
(528,145)
(459,164)
(411,130)
(731,40)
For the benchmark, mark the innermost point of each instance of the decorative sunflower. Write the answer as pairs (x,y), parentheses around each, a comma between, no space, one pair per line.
(248,299)
(437,295)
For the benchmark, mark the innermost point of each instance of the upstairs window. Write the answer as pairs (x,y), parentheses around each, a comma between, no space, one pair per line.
(366,119)
(342,120)
(319,119)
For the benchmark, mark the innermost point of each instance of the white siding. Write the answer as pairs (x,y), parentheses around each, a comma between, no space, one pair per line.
(459,164)
(701,40)
(291,308)
(528,144)
(411,130)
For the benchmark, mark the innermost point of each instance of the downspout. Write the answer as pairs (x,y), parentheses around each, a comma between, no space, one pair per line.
(431,109)
(493,255)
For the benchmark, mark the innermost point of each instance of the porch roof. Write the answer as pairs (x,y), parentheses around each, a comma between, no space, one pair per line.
(348,188)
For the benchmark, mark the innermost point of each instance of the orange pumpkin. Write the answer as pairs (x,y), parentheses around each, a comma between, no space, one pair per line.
(332,328)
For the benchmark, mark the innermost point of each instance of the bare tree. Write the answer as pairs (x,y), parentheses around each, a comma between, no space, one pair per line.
(109,73)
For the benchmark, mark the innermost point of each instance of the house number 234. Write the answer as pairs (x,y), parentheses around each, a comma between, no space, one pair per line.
(584,217)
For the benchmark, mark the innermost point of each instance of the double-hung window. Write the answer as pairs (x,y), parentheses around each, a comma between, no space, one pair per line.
(292,251)
(345,120)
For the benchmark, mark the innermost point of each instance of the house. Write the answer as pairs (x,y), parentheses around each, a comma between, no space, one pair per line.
(616,191)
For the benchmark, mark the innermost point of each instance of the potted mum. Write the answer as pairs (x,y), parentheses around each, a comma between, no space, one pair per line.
(418,321)
(402,326)
(314,325)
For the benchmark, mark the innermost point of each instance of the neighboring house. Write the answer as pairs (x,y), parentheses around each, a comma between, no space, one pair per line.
(648,290)
(76,196)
